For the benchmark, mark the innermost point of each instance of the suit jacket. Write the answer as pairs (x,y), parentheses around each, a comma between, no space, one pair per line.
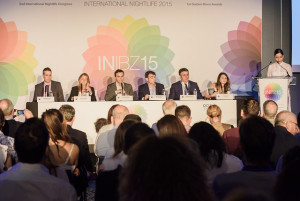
(55,88)
(80,139)
(11,127)
(231,138)
(74,92)
(176,90)
(110,94)
(284,141)
(144,90)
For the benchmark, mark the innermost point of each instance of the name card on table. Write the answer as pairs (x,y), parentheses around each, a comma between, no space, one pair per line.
(42,99)
(124,98)
(82,99)
(157,97)
(225,96)
(188,97)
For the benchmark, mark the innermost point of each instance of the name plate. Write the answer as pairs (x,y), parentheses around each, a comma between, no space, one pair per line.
(124,98)
(42,99)
(157,97)
(188,97)
(225,96)
(82,99)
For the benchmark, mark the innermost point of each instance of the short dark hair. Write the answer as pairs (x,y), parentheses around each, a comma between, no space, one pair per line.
(68,112)
(182,69)
(31,140)
(182,111)
(47,69)
(2,119)
(250,107)
(133,117)
(278,51)
(148,73)
(170,125)
(118,71)
(257,139)
(100,123)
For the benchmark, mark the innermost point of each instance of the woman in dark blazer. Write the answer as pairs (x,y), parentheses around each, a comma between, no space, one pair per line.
(83,88)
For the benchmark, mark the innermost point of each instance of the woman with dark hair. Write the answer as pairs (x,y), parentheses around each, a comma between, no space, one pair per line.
(163,168)
(83,88)
(279,68)
(212,149)
(170,125)
(222,86)
(63,154)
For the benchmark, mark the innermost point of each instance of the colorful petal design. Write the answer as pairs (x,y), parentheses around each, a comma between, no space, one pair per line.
(131,45)
(16,62)
(242,55)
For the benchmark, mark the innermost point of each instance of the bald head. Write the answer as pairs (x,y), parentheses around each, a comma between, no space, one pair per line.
(169,107)
(7,107)
(270,109)
(288,120)
(119,114)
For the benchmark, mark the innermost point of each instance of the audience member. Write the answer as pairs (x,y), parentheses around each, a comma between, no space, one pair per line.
(244,195)
(5,158)
(99,123)
(290,156)
(214,114)
(231,137)
(133,117)
(62,153)
(29,179)
(257,139)
(270,109)
(170,125)
(183,113)
(167,168)
(285,128)
(212,150)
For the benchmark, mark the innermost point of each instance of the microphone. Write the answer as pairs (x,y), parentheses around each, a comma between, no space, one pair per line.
(259,72)
(287,73)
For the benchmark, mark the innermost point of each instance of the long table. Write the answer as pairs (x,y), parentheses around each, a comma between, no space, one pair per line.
(150,111)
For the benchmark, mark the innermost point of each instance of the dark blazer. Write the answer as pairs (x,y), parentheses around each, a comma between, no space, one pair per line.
(110,94)
(11,127)
(55,88)
(74,92)
(284,141)
(80,139)
(143,90)
(176,90)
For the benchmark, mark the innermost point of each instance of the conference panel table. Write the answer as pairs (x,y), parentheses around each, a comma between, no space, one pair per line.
(150,111)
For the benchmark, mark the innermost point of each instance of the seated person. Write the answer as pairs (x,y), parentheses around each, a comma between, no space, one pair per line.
(184,86)
(151,87)
(222,86)
(83,88)
(214,114)
(48,87)
(118,87)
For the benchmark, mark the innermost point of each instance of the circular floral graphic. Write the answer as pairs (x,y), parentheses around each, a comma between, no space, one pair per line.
(273,92)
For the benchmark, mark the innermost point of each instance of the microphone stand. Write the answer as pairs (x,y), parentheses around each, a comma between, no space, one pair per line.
(259,72)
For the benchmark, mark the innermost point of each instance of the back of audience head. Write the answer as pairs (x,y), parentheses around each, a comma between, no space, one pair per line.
(2,120)
(164,168)
(119,113)
(110,113)
(120,135)
(7,108)
(135,133)
(241,194)
(291,156)
(170,125)
(257,139)
(288,120)
(54,121)
(169,107)
(250,107)
(214,113)
(31,141)
(270,109)
(211,145)
(100,123)
(133,117)
(183,113)
(68,112)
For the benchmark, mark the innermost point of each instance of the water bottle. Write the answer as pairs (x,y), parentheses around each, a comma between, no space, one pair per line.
(195,92)
(228,91)
(163,92)
(50,94)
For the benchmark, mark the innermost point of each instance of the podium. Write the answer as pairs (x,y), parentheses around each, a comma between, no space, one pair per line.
(276,89)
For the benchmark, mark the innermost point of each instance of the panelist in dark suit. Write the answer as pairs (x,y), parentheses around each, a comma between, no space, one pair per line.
(48,87)
(83,88)
(151,87)
(118,87)
(184,86)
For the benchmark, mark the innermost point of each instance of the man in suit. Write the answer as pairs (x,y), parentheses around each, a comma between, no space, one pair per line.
(151,87)
(48,87)
(80,139)
(11,125)
(118,87)
(184,86)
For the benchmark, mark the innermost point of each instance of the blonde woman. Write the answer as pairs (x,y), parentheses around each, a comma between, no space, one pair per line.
(214,114)
(83,88)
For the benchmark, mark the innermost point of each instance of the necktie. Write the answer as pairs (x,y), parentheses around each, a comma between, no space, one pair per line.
(186,89)
(47,90)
